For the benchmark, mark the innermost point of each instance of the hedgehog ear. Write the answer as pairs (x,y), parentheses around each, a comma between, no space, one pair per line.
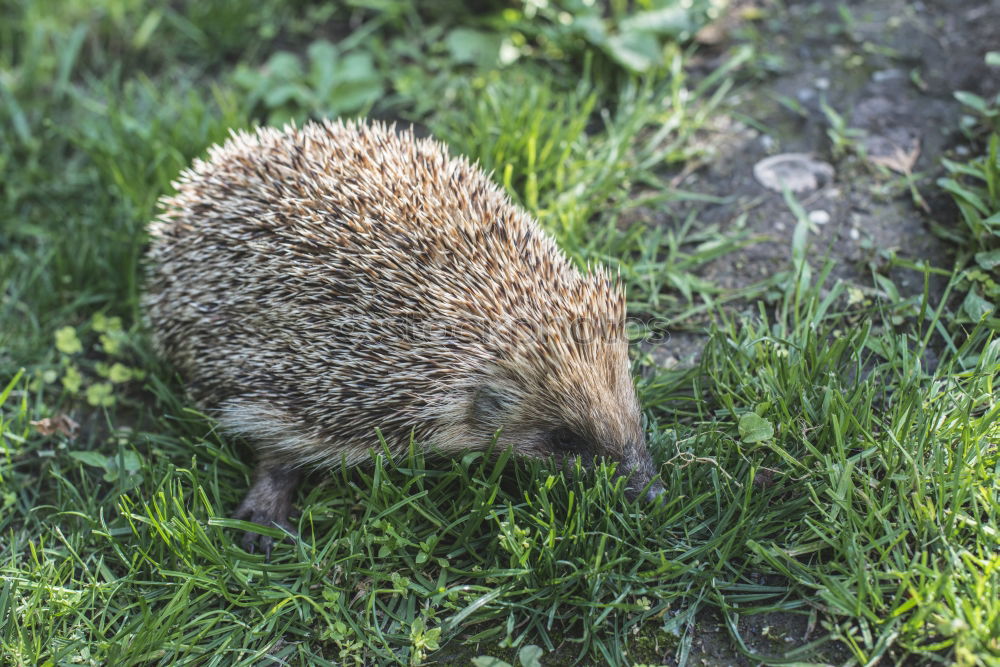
(490,404)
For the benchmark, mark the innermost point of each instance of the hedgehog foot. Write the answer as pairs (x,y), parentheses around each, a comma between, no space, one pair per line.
(268,503)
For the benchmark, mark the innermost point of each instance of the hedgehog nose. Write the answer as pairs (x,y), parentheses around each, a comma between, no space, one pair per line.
(655,493)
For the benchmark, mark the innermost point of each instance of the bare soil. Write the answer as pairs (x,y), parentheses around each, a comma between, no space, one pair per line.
(888,69)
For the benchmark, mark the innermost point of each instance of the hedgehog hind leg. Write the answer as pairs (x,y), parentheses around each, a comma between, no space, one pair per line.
(278,438)
(268,503)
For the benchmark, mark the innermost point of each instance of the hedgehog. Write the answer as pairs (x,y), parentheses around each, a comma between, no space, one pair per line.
(313,284)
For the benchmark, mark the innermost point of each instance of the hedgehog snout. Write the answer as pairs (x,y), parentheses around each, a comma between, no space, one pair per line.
(650,489)
(655,492)
(641,478)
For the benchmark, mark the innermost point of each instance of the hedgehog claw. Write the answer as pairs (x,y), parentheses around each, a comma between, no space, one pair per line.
(268,503)
(252,540)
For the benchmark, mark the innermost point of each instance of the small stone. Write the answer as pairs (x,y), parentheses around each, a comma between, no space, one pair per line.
(962,151)
(799,172)
(822,83)
(819,217)
(886,75)
(767,142)
(855,234)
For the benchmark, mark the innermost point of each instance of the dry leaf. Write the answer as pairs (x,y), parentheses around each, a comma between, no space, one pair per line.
(61,424)
(712,33)
(900,160)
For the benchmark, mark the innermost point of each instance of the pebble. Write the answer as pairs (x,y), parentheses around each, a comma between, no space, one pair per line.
(799,172)
(886,75)
(819,217)
(822,83)
(855,234)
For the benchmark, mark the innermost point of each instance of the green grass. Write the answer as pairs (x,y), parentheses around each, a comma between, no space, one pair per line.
(975,188)
(819,460)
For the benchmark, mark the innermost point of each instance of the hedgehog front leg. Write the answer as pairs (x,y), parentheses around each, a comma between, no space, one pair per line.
(268,502)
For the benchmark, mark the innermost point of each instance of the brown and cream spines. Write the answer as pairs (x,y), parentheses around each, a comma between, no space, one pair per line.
(311,284)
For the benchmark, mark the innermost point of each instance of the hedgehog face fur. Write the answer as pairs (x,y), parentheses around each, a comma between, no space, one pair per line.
(312,284)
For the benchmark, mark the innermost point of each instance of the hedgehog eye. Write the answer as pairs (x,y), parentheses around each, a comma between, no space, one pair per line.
(565,440)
